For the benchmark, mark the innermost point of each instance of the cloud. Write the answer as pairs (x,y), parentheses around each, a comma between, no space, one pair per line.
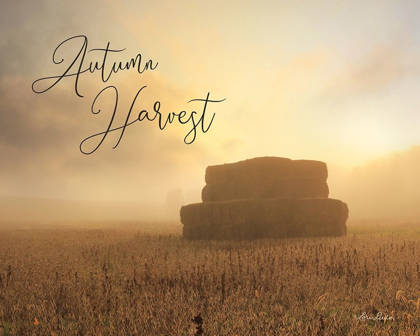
(380,68)
(279,67)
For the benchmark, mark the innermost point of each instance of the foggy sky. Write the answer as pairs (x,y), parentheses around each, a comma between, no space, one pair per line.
(331,81)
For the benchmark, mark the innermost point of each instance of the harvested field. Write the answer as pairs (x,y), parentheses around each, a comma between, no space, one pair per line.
(120,281)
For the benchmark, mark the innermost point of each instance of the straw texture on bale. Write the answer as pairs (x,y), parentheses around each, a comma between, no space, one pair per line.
(202,232)
(295,187)
(270,168)
(320,217)
(265,218)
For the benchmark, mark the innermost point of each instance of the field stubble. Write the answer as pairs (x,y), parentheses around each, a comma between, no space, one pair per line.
(103,281)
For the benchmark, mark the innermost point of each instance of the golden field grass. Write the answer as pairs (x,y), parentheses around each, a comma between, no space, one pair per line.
(133,279)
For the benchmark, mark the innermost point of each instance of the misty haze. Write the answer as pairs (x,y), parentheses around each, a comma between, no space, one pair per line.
(296,213)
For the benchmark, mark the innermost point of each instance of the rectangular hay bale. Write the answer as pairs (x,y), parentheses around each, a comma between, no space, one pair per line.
(295,187)
(269,168)
(259,218)
(198,232)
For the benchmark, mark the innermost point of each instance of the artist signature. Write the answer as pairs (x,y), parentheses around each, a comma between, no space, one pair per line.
(379,317)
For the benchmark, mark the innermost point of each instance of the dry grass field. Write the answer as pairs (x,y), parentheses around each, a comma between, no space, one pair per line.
(134,280)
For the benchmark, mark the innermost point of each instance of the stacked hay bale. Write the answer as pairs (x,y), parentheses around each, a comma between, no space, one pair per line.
(265,197)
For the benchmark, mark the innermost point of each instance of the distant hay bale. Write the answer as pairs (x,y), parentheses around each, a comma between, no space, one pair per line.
(295,187)
(265,218)
(270,168)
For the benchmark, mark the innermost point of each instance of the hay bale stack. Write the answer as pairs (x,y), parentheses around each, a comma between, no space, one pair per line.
(265,197)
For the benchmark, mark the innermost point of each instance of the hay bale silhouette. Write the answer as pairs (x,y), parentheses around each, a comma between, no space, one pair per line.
(265,197)
(259,218)
(249,169)
(295,187)
(201,232)
(237,212)
(269,168)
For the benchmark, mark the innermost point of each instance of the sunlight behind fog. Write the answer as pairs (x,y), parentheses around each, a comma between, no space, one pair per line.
(330,82)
